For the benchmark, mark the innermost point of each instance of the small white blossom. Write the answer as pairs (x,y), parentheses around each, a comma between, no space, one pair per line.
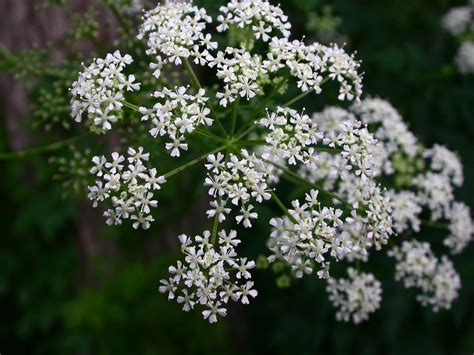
(211,275)
(418,267)
(129,188)
(98,91)
(355,297)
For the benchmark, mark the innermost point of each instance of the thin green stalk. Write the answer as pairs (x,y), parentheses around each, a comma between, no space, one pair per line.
(131,106)
(437,225)
(287,104)
(209,135)
(310,184)
(282,207)
(192,162)
(41,149)
(235,111)
(297,98)
(215,224)
(304,94)
(197,85)
(192,74)
(251,142)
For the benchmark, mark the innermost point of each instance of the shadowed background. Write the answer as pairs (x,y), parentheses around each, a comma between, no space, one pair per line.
(69,285)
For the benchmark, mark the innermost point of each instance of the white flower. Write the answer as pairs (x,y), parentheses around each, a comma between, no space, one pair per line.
(465,58)
(210,275)
(355,297)
(461,227)
(98,91)
(175,30)
(177,114)
(446,163)
(246,215)
(459,19)
(418,267)
(130,189)
(405,210)
(247,13)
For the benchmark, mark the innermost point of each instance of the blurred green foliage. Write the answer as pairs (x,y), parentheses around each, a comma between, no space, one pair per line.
(408,59)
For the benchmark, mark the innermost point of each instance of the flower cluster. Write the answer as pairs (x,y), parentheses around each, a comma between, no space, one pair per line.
(309,63)
(240,71)
(446,163)
(459,21)
(259,15)
(360,149)
(179,114)
(210,275)
(175,30)
(238,180)
(98,91)
(390,130)
(129,184)
(419,268)
(306,235)
(465,58)
(406,209)
(461,227)
(341,155)
(291,136)
(355,297)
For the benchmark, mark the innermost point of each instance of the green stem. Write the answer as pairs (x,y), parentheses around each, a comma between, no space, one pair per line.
(215,224)
(437,225)
(282,207)
(235,111)
(192,162)
(297,98)
(304,94)
(131,106)
(209,135)
(251,142)
(287,104)
(192,74)
(197,85)
(310,184)
(41,149)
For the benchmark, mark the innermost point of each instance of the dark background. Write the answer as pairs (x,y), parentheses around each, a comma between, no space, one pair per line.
(68,285)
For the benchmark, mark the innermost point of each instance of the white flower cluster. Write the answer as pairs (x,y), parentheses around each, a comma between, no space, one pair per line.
(129,184)
(406,209)
(98,91)
(240,71)
(334,150)
(434,181)
(465,58)
(461,227)
(355,297)
(210,275)
(308,236)
(435,192)
(391,131)
(238,180)
(175,30)
(446,163)
(360,149)
(179,114)
(419,268)
(262,17)
(459,19)
(309,63)
(291,136)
